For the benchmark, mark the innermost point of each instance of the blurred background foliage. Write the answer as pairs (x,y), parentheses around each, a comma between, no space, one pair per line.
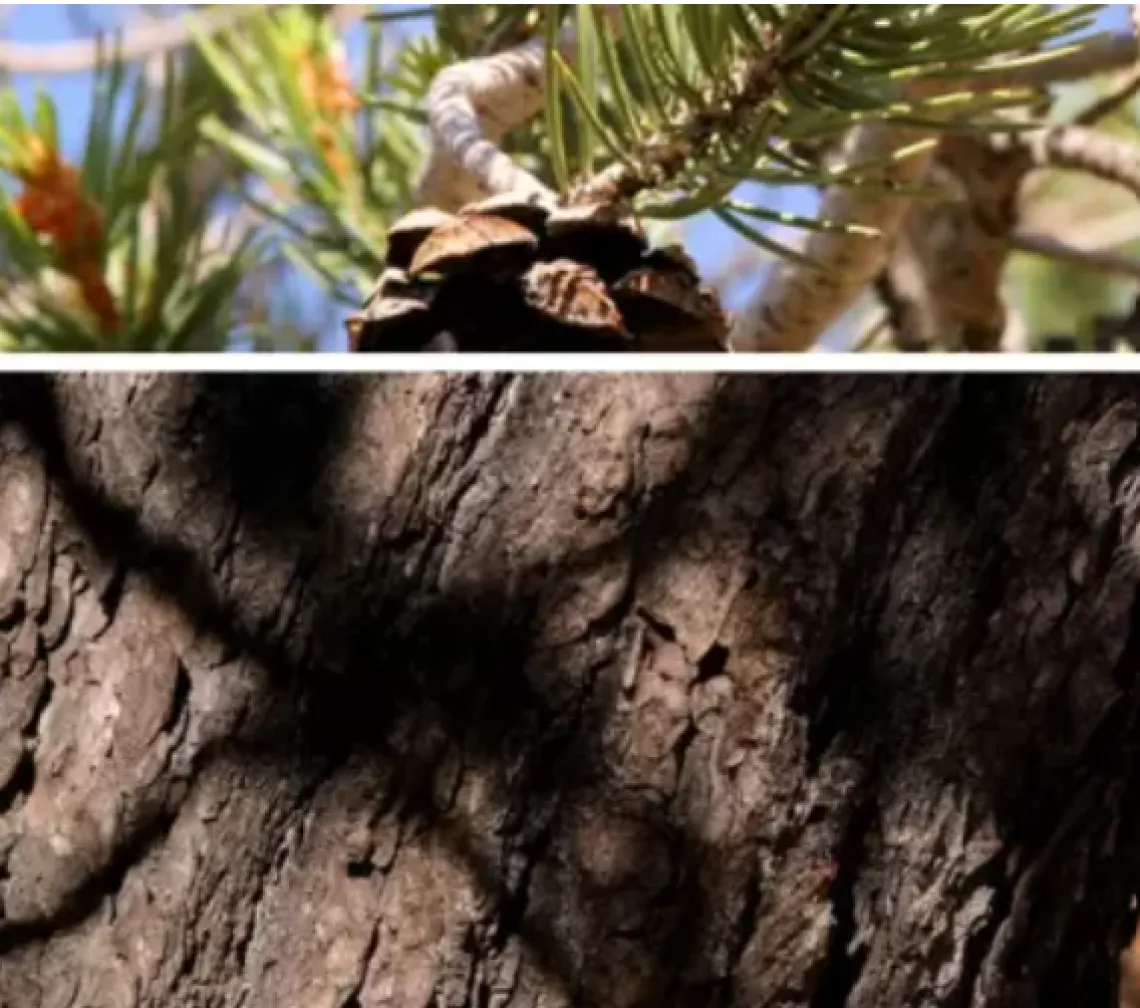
(235,194)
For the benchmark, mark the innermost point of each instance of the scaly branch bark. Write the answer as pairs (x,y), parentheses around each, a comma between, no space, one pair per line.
(957,278)
(1111,264)
(798,305)
(1078,148)
(471,107)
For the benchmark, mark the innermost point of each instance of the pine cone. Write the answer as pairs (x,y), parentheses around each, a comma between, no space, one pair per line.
(511,275)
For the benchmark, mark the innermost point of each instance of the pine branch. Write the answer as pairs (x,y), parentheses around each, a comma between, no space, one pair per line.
(799,304)
(474,105)
(681,123)
(1123,92)
(657,162)
(1112,264)
(1080,149)
(471,107)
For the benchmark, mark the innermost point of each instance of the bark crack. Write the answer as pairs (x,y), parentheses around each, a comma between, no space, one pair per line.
(980,946)
(352,1000)
(842,969)
(23,782)
(743,931)
(294,820)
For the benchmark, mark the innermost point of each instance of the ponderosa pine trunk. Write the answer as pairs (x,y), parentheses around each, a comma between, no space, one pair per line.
(508,692)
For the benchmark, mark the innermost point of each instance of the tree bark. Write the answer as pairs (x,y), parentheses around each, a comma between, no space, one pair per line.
(504,692)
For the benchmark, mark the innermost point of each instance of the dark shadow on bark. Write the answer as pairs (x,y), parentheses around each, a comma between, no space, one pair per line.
(458,666)
(866,702)
(267,442)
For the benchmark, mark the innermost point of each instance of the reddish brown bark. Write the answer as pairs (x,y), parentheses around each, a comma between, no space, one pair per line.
(567,691)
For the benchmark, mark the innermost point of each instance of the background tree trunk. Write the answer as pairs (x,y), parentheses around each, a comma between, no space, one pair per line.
(517,692)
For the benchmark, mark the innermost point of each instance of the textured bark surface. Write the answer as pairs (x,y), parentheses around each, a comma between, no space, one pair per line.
(505,693)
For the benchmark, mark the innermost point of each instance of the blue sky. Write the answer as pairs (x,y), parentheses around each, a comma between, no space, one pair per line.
(710,242)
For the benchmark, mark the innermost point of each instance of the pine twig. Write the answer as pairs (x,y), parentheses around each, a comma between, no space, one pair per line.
(661,159)
(1111,264)
(798,305)
(1123,92)
(471,107)
(1077,148)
